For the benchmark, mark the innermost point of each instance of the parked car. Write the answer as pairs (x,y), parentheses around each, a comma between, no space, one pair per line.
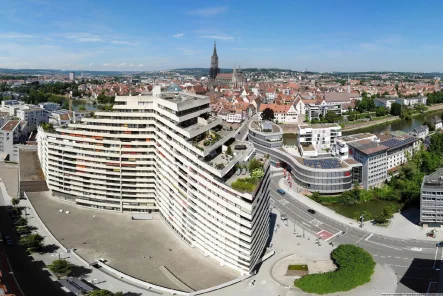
(283,217)
(311,211)
(281,191)
(440,244)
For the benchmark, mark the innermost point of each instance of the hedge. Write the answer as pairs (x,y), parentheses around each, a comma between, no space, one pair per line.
(355,267)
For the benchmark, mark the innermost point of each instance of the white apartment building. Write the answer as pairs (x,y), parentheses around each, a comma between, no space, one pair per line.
(431,200)
(411,101)
(399,148)
(11,106)
(340,147)
(4,117)
(235,117)
(11,132)
(33,115)
(163,152)
(321,136)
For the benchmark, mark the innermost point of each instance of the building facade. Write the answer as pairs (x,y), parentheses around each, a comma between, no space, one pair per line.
(12,132)
(340,147)
(321,136)
(431,200)
(33,115)
(373,157)
(163,152)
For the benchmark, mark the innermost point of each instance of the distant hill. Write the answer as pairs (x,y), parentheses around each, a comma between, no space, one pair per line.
(55,72)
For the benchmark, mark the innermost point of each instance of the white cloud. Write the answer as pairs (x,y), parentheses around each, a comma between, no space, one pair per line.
(122,42)
(140,65)
(105,65)
(15,35)
(217,37)
(90,65)
(210,11)
(121,64)
(83,37)
(179,35)
(368,46)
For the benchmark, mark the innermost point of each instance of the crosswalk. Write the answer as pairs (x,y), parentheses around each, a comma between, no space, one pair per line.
(315,222)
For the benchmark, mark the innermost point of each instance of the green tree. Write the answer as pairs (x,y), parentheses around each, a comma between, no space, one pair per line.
(229,150)
(395,109)
(355,267)
(331,116)
(381,111)
(32,242)
(267,114)
(21,222)
(316,196)
(82,108)
(15,201)
(254,164)
(61,267)
(257,173)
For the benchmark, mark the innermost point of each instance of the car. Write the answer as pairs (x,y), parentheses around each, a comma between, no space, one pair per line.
(281,191)
(283,217)
(440,244)
(8,240)
(311,211)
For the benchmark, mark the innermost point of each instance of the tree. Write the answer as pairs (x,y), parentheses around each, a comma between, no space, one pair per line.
(61,267)
(82,108)
(229,150)
(381,111)
(316,196)
(21,222)
(32,242)
(255,164)
(267,114)
(331,116)
(15,201)
(396,109)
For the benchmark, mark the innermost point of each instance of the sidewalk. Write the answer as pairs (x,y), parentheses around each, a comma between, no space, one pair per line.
(100,279)
(400,227)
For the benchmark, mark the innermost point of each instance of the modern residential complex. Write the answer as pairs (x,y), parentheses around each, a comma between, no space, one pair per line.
(12,132)
(314,139)
(411,101)
(314,111)
(431,200)
(163,151)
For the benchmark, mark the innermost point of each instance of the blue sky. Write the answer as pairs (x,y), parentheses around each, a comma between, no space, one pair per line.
(320,35)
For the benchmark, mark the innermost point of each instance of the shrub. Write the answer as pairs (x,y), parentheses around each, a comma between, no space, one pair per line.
(220,166)
(61,267)
(32,242)
(245,184)
(255,164)
(355,267)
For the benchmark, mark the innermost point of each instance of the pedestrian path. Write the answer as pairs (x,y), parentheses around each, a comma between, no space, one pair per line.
(400,226)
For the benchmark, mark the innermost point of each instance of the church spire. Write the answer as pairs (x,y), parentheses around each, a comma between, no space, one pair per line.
(215,49)
(214,70)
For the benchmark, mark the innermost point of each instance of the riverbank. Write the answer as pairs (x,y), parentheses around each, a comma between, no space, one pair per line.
(357,126)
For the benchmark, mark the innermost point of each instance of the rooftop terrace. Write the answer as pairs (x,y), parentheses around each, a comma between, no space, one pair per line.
(265,127)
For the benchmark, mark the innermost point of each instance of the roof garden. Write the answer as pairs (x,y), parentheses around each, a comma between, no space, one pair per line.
(246,176)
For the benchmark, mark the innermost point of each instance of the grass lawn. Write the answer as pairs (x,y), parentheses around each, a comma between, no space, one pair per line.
(298,267)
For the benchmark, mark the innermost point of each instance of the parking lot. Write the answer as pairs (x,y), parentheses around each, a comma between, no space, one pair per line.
(139,248)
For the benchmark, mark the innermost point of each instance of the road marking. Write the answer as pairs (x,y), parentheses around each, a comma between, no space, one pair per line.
(369,236)
(385,246)
(306,224)
(435,258)
(429,286)
(382,256)
(360,239)
(405,266)
(416,249)
(332,236)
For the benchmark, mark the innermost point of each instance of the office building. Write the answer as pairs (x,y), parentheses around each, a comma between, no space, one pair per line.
(72,76)
(431,200)
(320,136)
(163,152)
(399,148)
(373,157)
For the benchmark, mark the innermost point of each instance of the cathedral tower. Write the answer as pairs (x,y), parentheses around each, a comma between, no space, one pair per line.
(214,70)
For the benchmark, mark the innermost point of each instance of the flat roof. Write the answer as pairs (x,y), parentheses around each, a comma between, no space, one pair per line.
(322,163)
(10,125)
(394,143)
(434,180)
(30,169)
(368,147)
(260,126)
(356,137)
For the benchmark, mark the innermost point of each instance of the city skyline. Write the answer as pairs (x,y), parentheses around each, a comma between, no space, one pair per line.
(344,36)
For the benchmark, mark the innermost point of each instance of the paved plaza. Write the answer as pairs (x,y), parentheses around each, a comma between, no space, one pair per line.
(139,248)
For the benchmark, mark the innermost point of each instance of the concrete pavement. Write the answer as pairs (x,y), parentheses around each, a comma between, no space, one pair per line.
(414,261)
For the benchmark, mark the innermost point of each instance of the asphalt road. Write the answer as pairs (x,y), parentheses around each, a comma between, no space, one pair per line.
(415,262)
(32,280)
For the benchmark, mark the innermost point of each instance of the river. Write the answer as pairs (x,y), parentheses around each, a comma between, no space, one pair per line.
(402,125)
(77,103)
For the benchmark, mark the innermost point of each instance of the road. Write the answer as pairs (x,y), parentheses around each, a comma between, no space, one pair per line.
(416,263)
(32,280)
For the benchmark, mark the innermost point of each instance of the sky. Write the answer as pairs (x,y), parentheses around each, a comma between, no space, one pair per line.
(146,35)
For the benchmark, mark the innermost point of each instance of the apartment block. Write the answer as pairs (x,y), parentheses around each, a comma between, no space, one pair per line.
(314,111)
(33,115)
(431,200)
(12,132)
(321,136)
(164,152)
